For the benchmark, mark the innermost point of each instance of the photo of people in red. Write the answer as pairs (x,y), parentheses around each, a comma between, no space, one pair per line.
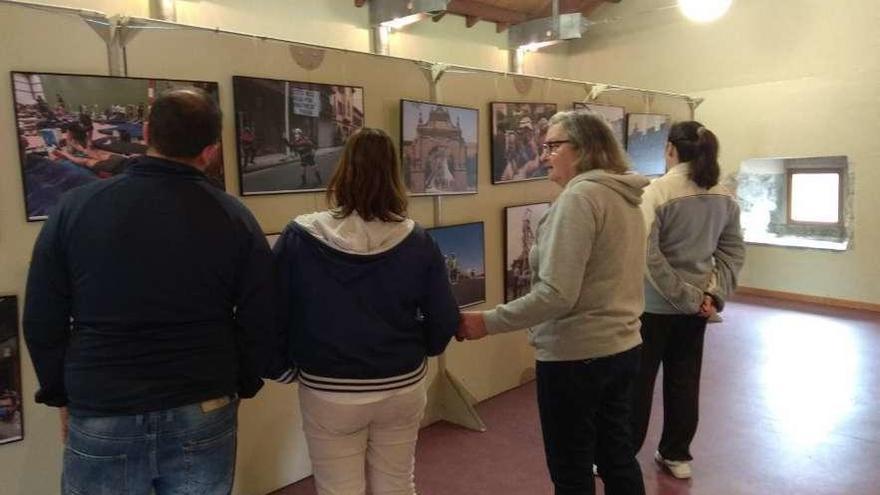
(518,131)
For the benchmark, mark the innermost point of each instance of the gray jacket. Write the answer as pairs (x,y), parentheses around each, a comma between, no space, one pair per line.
(695,245)
(588,260)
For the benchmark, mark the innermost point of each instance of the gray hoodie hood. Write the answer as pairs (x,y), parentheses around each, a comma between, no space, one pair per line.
(629,185)
(354,235)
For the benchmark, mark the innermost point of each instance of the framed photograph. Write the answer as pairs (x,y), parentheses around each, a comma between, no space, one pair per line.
(289,134)
(646,141)
(438,147)
(614,116)
(518,131)
(11,412)
(463,249)
(76,129)
(520,227)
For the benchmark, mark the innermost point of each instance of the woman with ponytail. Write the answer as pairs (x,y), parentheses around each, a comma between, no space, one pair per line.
(695,251)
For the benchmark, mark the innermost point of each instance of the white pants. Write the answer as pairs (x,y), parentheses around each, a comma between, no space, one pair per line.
(343,438)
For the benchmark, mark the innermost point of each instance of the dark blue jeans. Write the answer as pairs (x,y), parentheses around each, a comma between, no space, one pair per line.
(585,419)
(183,451)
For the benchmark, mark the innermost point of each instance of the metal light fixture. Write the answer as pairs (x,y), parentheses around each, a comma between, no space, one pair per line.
(396,14)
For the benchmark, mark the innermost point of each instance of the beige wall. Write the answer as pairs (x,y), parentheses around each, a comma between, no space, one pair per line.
(783,78)
(271,450)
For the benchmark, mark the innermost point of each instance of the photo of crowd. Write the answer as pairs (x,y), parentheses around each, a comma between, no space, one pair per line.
(463,250)
(518,131)
(291,134)
(11,422)
(75,129)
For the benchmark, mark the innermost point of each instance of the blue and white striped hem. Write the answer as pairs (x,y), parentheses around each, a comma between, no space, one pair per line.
(289,376)
(371,385)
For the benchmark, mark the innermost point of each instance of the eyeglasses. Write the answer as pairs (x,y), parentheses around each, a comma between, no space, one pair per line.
(552,147)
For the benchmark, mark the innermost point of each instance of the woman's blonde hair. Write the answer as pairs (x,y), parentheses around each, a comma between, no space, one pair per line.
(595,143)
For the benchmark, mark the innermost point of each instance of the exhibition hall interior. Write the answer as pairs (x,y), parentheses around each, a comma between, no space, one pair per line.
(467,91)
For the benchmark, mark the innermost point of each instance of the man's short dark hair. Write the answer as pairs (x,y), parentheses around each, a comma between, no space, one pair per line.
(183,122)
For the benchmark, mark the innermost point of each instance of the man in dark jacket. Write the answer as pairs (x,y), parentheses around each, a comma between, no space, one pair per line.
(148,311)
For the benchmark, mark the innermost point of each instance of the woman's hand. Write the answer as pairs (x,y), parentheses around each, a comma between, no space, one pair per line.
(707,309)
(472,326)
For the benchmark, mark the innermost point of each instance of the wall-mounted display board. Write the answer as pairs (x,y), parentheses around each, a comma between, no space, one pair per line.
(438,146)
(290,134)
(76,129)
(463,249)
(518,131)
(646,141)
(521,228)
(615,117)
(11,420)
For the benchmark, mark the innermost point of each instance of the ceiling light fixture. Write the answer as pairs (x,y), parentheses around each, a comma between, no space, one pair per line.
(704,10)
(401,22)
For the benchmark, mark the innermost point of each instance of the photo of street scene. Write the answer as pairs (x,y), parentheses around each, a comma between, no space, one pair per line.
(521,228)
(438,148)
(462,248)
(11,422)
(518,132)
(646,141)
(73,130)
(290,134)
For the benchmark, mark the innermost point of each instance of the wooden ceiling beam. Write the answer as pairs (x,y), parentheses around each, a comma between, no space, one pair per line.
(470,20)
(486,12)
(500,27)
(359,3)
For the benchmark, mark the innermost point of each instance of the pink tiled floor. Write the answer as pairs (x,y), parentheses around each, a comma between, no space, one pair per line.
(789,406)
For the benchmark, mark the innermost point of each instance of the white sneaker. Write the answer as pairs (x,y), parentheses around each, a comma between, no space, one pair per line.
(678,469)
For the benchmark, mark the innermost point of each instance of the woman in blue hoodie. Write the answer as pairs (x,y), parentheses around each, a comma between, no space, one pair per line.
(364,301)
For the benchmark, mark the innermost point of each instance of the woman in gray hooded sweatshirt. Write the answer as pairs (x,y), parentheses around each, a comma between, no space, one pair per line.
(583,308)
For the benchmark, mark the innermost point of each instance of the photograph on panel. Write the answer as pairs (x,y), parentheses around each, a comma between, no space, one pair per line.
(11,422)
(518,132)
(438,148)
(75,129)
(521,228)
(646,142)
(614,116)
(463,251)
(290,134)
